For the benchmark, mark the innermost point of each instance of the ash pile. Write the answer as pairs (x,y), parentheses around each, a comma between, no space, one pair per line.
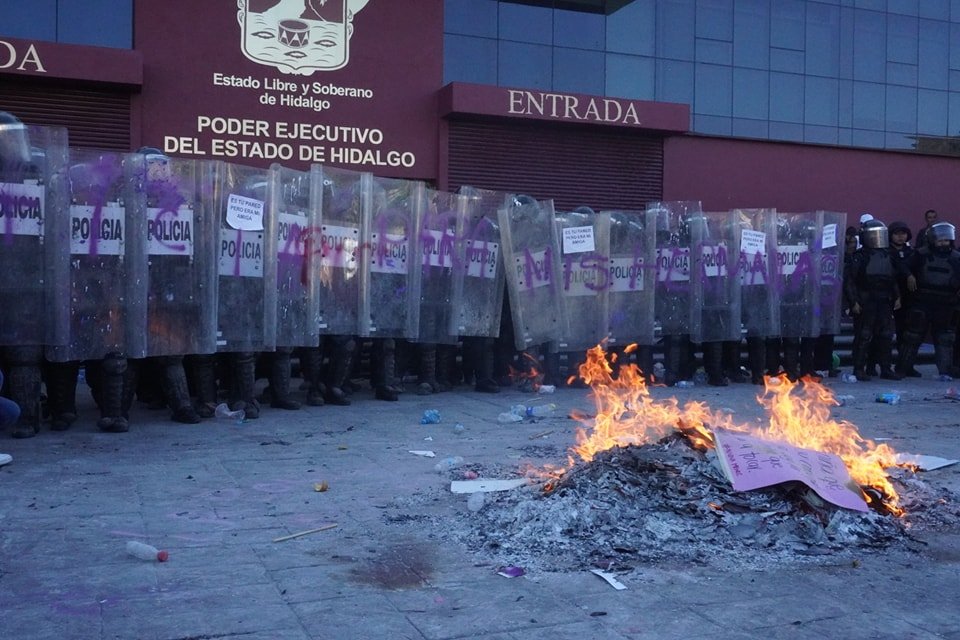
(668,503)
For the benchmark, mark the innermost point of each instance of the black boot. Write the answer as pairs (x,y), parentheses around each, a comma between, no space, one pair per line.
(280,374)
(713,364)
(485,358)
(245,380)
(731,362)
(674,355)
(62,393)
(772,356)
(311,364)
(114,369)
(203,373)
(23,384)
(791,358)
(446,363)
(340,367)
(386,388)
(176,390)
(756,359)
(426,370)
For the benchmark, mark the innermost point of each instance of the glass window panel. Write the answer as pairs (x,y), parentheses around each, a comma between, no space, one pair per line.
(902,39)
(955,10)
(905,74)
(471,17)
(746,128)
(633,28)
(29,19)
(934,47)
(846,42)
(103,23)
(786,60)
(867,138)
(869,46)
(631,77)
(751,94)
(845,104)
(873,5)
(578,71)
(713,90)
(786,97)
(751,34)
(822,97)
(932,110)
(715,19)
(712,125)
(469,59)
(845,137)
(786,24)
(714,51)
(579,30)
(953,122)
(901,109)
(675,81)
(675,24)
(525,23)
(820,135)
(935,9)
(868,106)
(954,80)
(955,44)
(786,131)
(906,7)
(524,65)
(823,40)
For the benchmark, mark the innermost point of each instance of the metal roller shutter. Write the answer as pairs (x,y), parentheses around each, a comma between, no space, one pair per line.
(598,167)
(94,117)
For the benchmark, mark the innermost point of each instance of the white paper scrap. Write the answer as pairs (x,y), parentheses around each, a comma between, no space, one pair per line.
(924,463)
(485,485)
(610,578)
(425,454)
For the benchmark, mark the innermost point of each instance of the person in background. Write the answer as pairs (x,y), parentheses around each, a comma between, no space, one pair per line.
(930,217)
(901,251)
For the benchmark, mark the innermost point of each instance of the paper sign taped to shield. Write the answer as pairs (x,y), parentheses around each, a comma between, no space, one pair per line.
(244,213)
(752,463)
(578,240)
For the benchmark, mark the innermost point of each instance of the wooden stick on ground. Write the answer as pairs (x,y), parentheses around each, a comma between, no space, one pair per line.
(305,533)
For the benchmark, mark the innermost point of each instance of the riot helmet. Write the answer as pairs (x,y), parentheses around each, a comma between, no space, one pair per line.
(14,143)
(157,164)
(874,235)
(942,231)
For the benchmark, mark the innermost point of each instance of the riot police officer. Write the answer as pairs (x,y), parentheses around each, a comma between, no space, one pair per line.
(871,289)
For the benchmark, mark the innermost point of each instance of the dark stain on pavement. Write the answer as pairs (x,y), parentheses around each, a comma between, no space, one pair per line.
(395,568)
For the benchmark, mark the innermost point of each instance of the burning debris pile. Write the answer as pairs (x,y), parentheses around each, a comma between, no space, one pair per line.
(650,486)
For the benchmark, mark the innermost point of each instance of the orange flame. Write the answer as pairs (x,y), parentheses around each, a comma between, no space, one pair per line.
(799,413)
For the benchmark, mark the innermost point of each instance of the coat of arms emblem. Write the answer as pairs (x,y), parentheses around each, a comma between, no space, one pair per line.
(298,36)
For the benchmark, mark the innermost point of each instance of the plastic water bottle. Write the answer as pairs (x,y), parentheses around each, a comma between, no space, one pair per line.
(430,416)
(509,416)
(835,361)
(546,388)
(843,400)
(848,377)
(223,412)
(685,384)
(448,463)
(888,398)
(537,411)
(146,551)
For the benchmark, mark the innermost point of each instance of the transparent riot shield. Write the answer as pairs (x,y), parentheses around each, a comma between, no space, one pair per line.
(181,222)
(478,273)
(531,257)
(296,196)
(344,195)
(633,255)
(757,268)
(715,288)
(106,304)
(831,272)
(798,273)
(672,297)
(247,268)
(34,235)
(436,258)
(390,222)
(584,237)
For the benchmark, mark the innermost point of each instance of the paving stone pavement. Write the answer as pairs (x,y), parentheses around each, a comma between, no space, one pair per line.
(215,495)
